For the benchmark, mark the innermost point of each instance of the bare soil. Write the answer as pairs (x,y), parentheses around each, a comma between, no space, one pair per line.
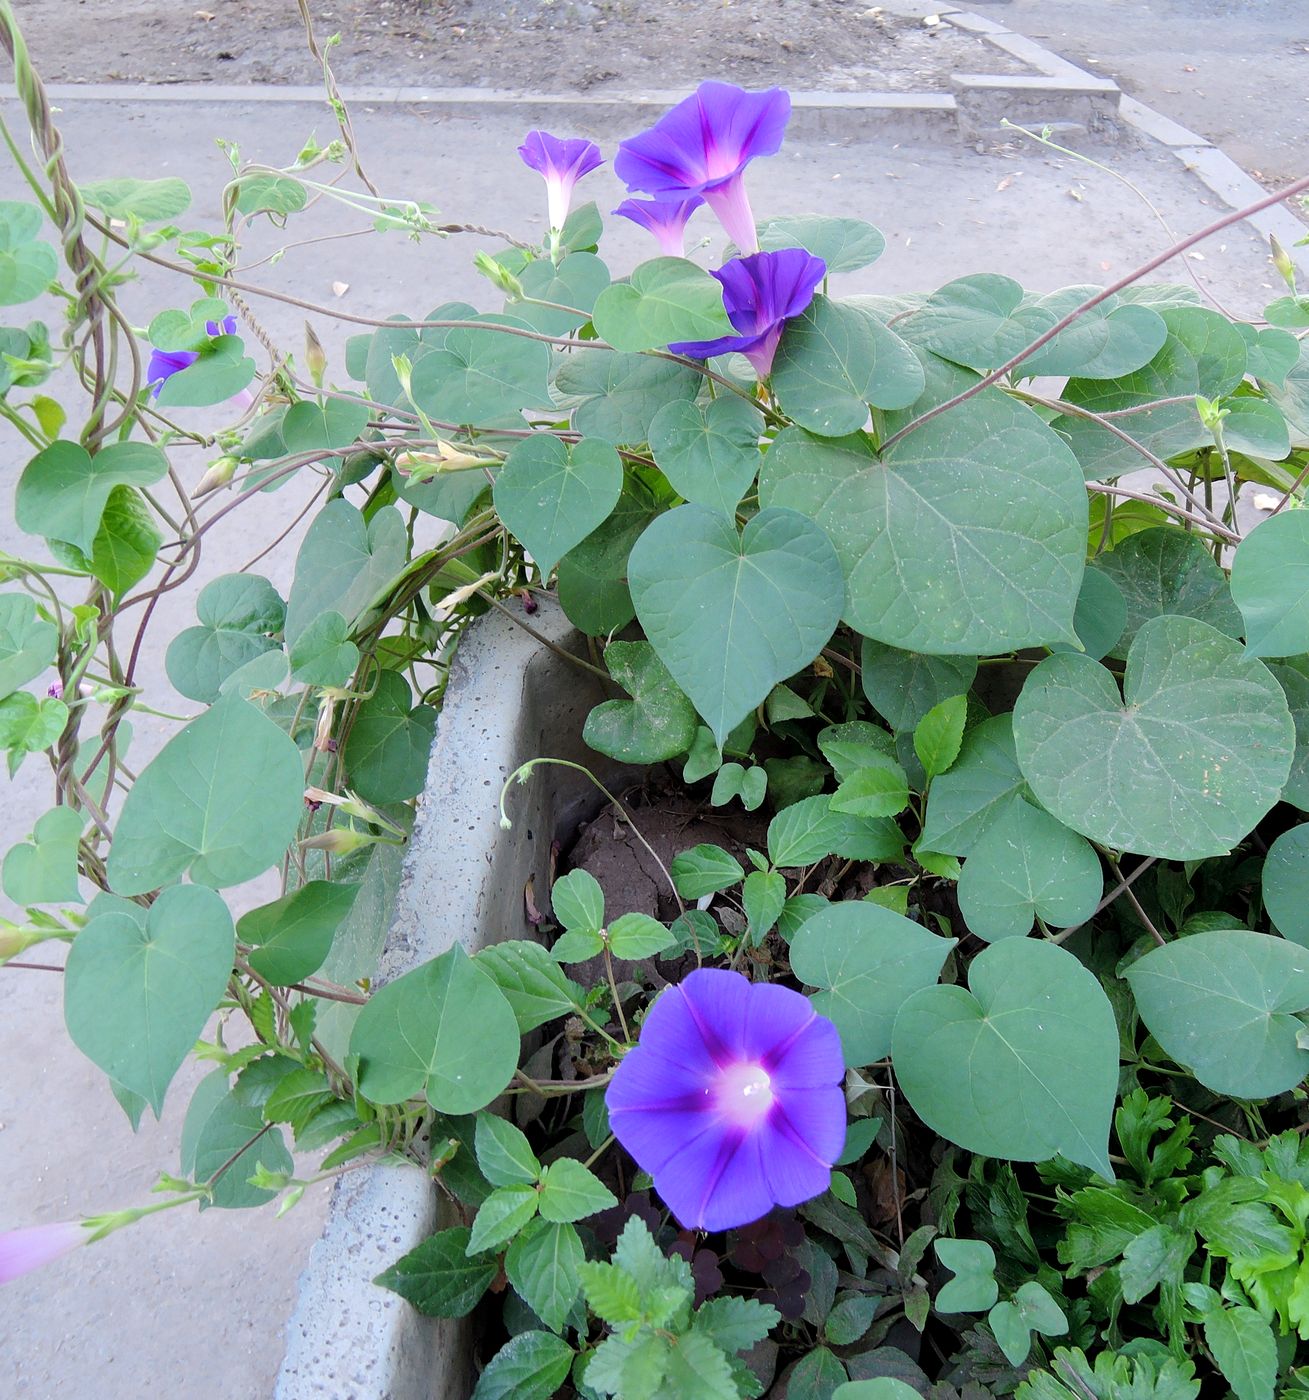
(528,45)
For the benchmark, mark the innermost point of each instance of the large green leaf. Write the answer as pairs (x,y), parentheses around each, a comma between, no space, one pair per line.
(292,936)
(836,360)
(666,299)
(1182,765)
(531,980)
(593,575)
(1027,865)
(845,245)
(222,800)
(903,685)
(542,1264)
(808,830)
(1285,884)
(1166,571)
(1245,1349)
(967,537)
(387,751)
(615,397)
(1293,677)
(444,1029)
(1113,338)
(656,724)
(867,962)
(63,490)
(709,452)
(126,544)
(979,789)
(225,1136)
(438,1277)
(482,377)
(1023,1066)
(239,613)
(530,1366)
(1270,585)
(137,993)
(1225,1004)
(151,201)
(732,615)
(980,321)
(576,281)
(552,495)
(27,642)
(344,563)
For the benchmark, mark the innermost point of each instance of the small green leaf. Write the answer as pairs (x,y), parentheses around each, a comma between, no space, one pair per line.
(323,653)
(222,370)
(808,830)
(635,936)
(818,1375)
(666,299)
(225,1133)
(530,1366)
(1031,1309)
(500,1217)
(939,735)
(278,195)
(705,870)
(27,642)
(851,1318)
(63,490)
(292,936)
(531,981)
(658,722)
(973,1288)
(438,1277)
(444,1029)
(577,945)
(570,1192)
(764,897)
(734,780)
(578,901)
(137,992)
(1245,1349)
(44,870)
(542,1264)
(151,201)
(1226,1003)
(878,790)
(551,494)
(709,452)
(387,752)
(867,961)
(503,1152)
(239,615)
(28,725)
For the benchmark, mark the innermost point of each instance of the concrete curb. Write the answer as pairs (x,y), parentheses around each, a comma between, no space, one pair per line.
(508,700)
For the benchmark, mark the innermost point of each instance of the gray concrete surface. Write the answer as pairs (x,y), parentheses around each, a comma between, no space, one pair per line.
(193,1306)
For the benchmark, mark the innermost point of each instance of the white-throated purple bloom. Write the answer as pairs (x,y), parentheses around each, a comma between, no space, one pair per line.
(665,218)
(702,147)
(166,363)
(760,293)
(562,163)
(35,1246)
(732,1101)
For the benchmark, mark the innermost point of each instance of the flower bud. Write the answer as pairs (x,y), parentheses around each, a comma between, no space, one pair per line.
(404,368)
(1282,262)
(499,276)
(218,473)
(34,1246)
(340,841)
(315,356)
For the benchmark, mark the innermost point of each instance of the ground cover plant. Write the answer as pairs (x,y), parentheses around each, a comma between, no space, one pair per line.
(970,1062)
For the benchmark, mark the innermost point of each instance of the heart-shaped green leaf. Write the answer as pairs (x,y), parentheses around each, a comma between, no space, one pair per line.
(239,613)
(137,993)
(666,299)
(903,685)
(222,799)
(292,936)
(973,1288)
(909,528)
(151,201)
(44,870)
(323,653)
(481,377)
(1182,765)
(1022,1066)
(1031,1309)
(868,962)
(1285,884)
(615,397)
(845,245)
(1027,865)
(709,452)
(222,370)
(387,751)
(1270,585)
(552,495)
(344,564)
(732,615)
(310,427)
(63,490)
(1225,1004)
(1270,354)
(1111,339)
(836,360)
(28,725)
(444,1029)
(982,785)
(1163,572)
(979,321)
(27,642)
(27,267)
(576,281)
(657,723)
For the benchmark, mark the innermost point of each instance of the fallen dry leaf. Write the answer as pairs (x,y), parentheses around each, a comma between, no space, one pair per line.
(340,288)
(1005,183)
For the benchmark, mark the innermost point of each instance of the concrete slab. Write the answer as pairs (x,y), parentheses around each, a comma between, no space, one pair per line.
(196,1303)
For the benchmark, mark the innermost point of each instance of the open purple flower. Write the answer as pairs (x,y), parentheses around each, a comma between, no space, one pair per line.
(703,146)
(665,218)
(166,363)
(761,293)
(562,163)
(34,1246)
(732,1100)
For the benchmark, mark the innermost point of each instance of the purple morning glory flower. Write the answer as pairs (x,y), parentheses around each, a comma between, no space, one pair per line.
(665,218)
(34,1246)
(703,146)
(166,363)
(562,163)
(760,293)
(732,1101)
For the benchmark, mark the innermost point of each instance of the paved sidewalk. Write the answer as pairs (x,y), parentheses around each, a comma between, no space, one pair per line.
(192,1306)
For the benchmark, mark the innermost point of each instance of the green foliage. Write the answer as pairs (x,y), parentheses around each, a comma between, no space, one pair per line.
(664,300)
(658,722)
(240,616)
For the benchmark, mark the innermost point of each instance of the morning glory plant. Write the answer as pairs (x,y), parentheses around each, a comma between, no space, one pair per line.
(1002,979)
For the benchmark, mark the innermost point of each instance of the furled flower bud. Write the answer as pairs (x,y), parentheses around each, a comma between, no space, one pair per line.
(218,473)
(340,841)
(499,276)
(315,356)
(1282,262)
